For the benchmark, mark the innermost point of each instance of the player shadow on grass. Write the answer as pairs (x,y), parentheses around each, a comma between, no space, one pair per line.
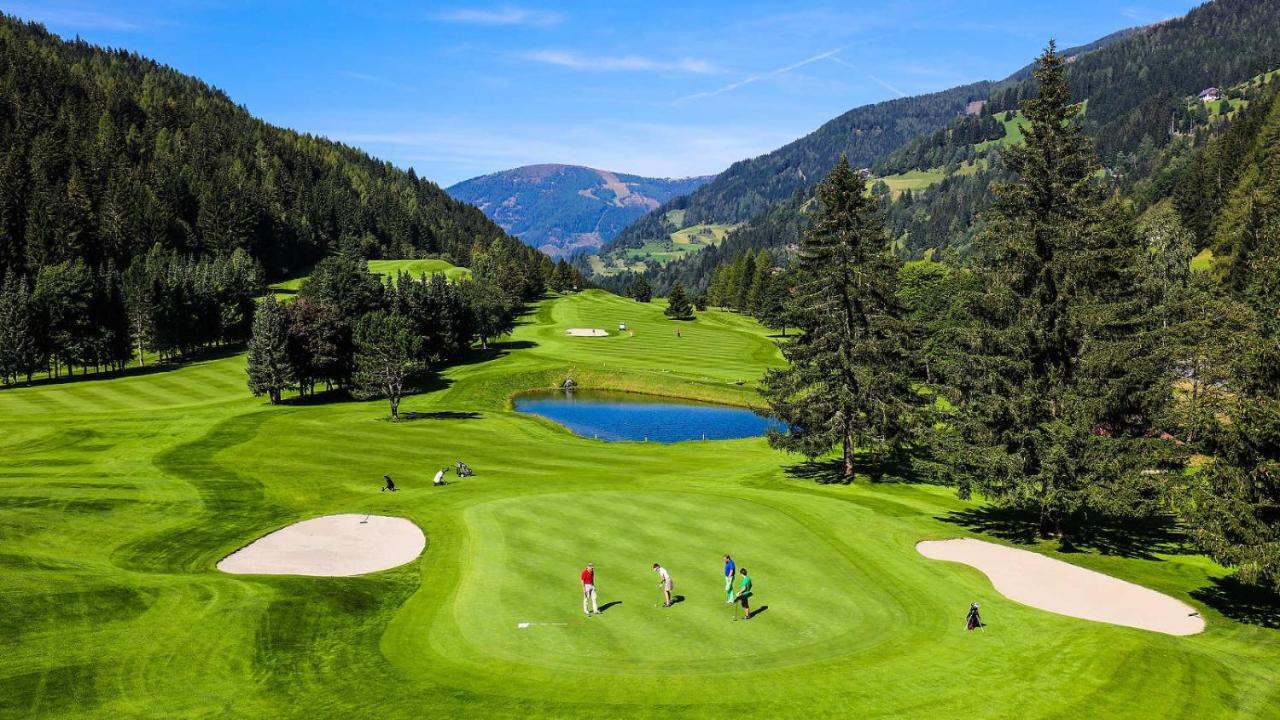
(759,611)
(1241,602)
(1139,538)
(608,605)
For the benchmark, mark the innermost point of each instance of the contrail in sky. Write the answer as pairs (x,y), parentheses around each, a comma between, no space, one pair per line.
(761,76)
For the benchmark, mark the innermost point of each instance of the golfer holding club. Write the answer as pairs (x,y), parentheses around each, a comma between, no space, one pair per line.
(589,590)
(664,582)
(744,595)
(729,571)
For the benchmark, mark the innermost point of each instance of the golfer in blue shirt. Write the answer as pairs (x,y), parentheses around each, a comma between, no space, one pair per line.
(729,570)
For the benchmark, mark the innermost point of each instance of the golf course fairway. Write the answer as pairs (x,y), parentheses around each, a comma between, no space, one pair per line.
(118,498)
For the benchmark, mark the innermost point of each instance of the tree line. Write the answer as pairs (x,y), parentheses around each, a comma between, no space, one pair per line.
(349,329)
(77,316)
(1075,368)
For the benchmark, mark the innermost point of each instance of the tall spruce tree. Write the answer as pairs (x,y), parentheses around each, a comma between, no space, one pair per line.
(269,369)
(640,289)
(1061,375)
(19,350)
(847,383)
(678,305)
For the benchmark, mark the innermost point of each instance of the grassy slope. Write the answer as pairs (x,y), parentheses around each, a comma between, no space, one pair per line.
(390,267)
(117,497)
(681,243)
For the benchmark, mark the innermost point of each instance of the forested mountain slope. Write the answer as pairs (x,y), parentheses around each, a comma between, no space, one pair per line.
(866,135)
(1139,104)
(104,154)
(565,209)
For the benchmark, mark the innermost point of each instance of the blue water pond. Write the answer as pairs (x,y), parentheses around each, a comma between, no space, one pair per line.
(628,416)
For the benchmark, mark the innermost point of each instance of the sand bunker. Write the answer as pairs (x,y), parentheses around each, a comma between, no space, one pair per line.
(1059,587)
(330,546)
(586,332)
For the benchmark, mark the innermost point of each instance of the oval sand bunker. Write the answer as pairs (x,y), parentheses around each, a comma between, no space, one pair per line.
(586,332)
(330,546)
(1060,587)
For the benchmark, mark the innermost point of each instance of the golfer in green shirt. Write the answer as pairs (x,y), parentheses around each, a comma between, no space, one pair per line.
(744,595)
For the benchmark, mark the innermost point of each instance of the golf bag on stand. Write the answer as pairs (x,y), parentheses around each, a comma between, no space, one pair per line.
(973,621)
(464,470)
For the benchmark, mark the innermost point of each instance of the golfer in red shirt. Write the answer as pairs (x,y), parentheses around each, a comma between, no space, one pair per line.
(589,590)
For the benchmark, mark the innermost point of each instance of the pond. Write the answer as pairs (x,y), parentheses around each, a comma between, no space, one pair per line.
(609,415)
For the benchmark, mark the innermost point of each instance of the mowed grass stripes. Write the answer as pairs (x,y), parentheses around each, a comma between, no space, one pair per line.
(117,497)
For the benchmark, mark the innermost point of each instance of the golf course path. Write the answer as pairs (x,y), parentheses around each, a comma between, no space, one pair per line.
(1059,587)
(330,546)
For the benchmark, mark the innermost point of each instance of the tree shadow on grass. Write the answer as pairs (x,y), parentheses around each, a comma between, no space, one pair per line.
(156,367)
(439,415)
(1139,538)
(889,467)
(1241,601)
(497,349)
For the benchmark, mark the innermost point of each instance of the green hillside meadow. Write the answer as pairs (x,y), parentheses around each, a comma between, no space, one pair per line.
(390,267)
(117,498)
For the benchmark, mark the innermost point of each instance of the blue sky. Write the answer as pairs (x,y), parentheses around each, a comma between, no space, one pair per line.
(654,88)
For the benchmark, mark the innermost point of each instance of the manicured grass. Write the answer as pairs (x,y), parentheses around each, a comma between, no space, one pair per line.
(390,267)
(117,497)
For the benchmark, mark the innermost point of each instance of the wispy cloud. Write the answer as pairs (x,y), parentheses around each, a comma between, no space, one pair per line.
(635,63)
(79,18)
(375,80)
(506,15)
(760,76)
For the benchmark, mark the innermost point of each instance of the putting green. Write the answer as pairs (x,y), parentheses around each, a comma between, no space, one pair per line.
(625,533)
(118,497)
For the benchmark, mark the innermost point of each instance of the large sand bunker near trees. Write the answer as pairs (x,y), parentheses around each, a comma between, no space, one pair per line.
(330,546)
(1059,587)
(586,332)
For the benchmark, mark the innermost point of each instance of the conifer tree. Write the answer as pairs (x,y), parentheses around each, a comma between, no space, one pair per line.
(1061,376)
(269,369)
(19,351)
(847,384)
(640,289)
(759,282)
(678,305)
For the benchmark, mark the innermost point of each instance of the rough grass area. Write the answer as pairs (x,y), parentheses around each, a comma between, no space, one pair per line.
(117,498)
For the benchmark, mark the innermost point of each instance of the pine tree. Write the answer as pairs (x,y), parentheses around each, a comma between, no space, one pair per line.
(847,384)
(744,275)
(759,282)
(678,305)
(19,351)
(1061,375)
(269,369)
(640,289)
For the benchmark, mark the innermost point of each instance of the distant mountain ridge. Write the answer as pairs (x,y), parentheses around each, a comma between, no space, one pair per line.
(566,209)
